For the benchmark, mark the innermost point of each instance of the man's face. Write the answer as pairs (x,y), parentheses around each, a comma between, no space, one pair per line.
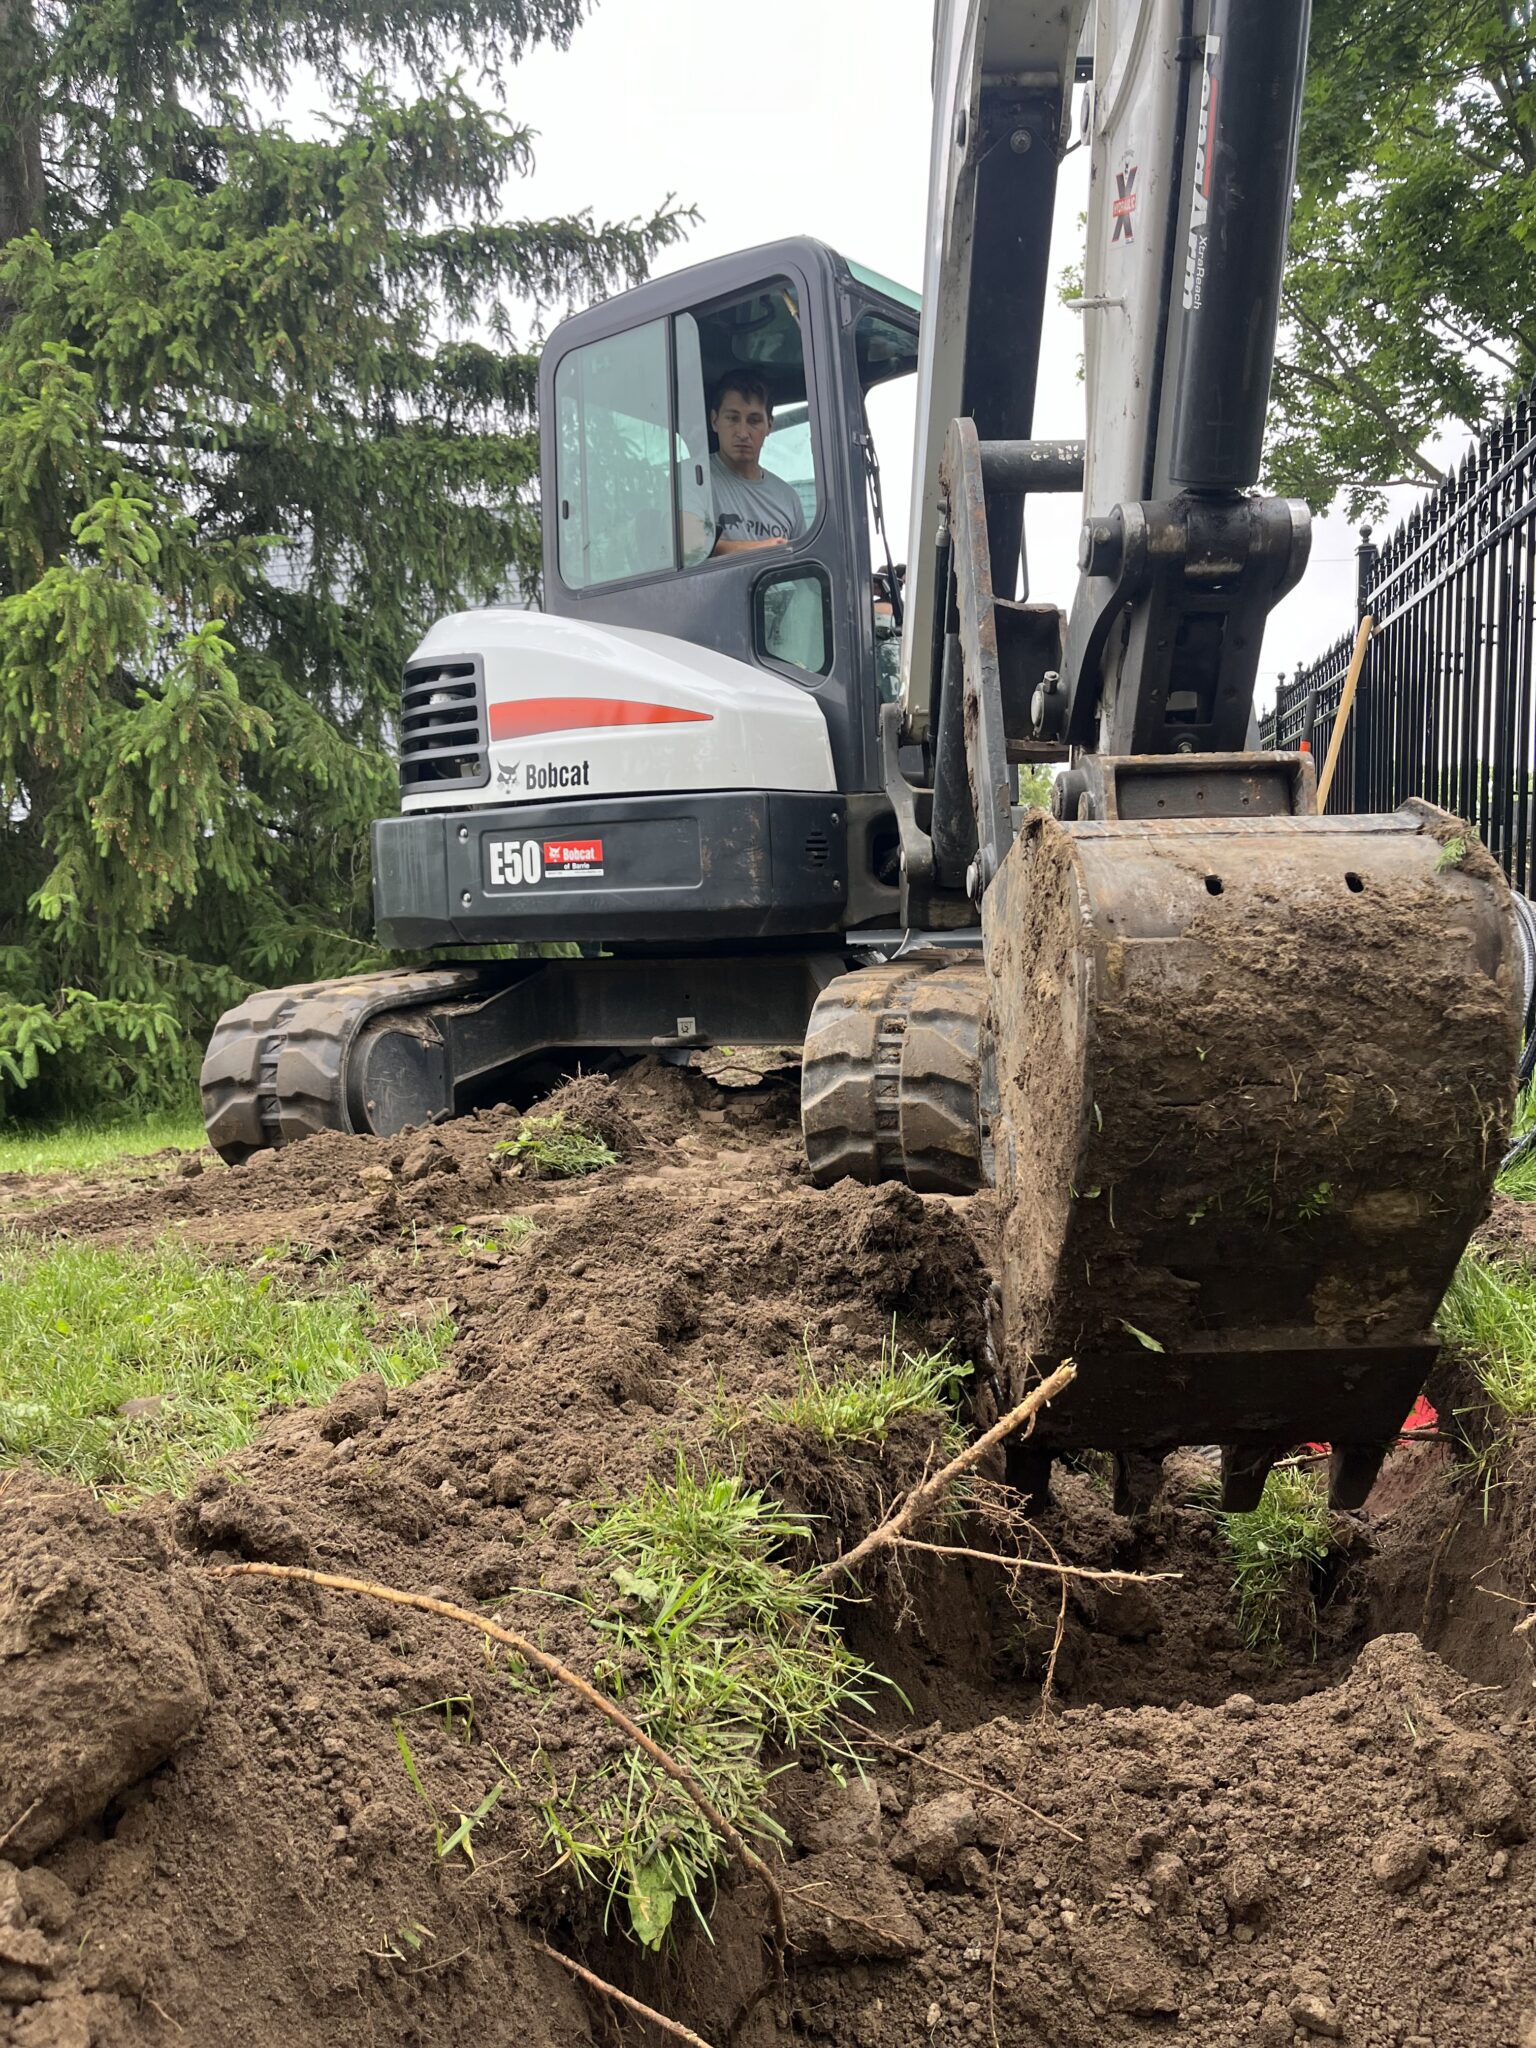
(741,426)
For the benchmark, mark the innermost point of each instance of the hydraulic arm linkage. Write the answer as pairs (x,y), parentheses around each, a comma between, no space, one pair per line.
(1254,1066)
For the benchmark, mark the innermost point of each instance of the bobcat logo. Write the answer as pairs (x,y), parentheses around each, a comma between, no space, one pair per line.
(507,773)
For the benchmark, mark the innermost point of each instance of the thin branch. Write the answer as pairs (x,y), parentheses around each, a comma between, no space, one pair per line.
(931,1763)
(553,1668)
(1033,1564)
(646,2012)
(1357,382)
(926,1496)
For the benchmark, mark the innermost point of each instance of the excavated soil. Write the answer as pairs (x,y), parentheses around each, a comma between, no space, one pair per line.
(207,1834)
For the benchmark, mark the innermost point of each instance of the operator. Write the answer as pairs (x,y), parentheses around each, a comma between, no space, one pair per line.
(753,507)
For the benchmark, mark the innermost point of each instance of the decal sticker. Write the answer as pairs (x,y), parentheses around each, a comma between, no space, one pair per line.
(513,863)
(573,856)
(1205,164)
(1123,204)
(545,775)
(529,716)
(526,863)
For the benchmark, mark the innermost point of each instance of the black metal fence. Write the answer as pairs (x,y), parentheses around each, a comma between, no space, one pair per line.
(1444,706)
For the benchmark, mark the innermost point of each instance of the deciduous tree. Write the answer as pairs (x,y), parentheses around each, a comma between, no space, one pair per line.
(1410,295)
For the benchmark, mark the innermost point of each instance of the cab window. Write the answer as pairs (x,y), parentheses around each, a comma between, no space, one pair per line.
(685,441)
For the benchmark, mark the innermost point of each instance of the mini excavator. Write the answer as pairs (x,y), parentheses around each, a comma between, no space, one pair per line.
(1240,1074)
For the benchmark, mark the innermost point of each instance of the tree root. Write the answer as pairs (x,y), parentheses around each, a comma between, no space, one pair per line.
(646,2012)
(926,1496)
(563,1675)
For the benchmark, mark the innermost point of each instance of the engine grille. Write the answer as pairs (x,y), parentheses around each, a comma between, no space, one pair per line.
(442,726)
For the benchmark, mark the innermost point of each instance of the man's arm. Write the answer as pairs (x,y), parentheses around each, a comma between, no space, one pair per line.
(746,547)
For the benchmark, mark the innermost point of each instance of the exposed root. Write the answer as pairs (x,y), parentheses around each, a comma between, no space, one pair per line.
(634,2005)
(1033,1564)
(931,1491)
(563,1675)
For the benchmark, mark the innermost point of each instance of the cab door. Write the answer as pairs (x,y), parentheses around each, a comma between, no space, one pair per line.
(637,503)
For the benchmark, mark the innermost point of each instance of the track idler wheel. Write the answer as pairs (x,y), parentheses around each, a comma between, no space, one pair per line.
(1255,1076)
(897,1078)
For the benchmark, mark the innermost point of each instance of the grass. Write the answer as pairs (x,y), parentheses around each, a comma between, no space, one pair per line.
(550,1148)
(857,1403)
(511,1233)
(85,1329)
(1489,1315)
(81,1147)
(1519,1181)
(718,1647)
(1274,1551)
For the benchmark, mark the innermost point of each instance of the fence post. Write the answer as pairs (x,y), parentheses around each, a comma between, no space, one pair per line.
(1367,556)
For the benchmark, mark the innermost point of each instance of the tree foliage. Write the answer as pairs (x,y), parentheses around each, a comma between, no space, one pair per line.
(1410,294)
(262,417)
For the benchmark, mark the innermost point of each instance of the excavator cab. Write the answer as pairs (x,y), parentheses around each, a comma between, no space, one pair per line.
(674,763)
(704,712)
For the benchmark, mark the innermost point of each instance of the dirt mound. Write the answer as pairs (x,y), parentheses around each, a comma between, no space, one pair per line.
(1347,1867)
(211,1830)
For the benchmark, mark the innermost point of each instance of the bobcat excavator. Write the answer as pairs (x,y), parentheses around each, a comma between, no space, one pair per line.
(1241,1074)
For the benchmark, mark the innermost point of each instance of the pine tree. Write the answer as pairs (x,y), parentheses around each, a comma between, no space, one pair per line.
(262,417)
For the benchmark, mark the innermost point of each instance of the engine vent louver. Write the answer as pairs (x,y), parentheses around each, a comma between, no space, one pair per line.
(442,727)
(816,849)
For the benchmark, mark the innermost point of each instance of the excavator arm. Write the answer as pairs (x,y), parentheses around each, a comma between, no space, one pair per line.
(1242,1073)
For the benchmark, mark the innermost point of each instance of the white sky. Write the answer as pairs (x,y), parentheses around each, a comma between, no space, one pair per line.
(813,118)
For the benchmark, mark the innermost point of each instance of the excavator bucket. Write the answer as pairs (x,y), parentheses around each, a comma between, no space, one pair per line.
(1256,1077)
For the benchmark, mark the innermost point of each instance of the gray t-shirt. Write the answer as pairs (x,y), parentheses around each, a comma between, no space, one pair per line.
(766,509)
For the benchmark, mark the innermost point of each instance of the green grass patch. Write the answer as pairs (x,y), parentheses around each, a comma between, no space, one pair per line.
(718,1647)
(1274,1551)
(85,1329)
(1519,1181)
(550,1148)
(856,1403)
(1489,1315)
(80,1147)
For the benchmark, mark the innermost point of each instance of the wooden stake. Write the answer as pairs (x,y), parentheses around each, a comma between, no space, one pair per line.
(1346,706)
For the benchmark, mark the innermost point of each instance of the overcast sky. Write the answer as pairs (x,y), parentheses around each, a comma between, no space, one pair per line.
(812,117)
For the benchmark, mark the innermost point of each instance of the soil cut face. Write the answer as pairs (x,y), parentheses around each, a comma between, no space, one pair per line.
(207,1830)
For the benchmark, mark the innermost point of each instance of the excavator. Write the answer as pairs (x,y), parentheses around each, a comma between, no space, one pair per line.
(1238,1075)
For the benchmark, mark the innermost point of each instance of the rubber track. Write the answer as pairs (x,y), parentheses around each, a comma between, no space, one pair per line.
(895,1077)
(276,1065)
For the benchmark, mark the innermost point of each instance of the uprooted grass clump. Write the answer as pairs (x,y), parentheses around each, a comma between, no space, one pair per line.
(131,1370)
(720,1649)
(856,1403)
(552,1148)
(1489,1315)
(1274,1552)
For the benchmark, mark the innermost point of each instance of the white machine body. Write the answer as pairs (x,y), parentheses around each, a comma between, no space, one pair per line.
(575,708)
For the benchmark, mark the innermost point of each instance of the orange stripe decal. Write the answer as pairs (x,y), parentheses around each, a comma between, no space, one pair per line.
(528,716)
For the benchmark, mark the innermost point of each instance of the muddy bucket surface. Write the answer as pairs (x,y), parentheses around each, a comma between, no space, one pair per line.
(1256,1076)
